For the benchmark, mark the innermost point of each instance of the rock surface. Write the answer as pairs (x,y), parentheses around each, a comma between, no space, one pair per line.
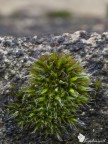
(17,55)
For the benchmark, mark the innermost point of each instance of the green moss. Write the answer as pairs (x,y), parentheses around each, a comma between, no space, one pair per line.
(61,14)
(58,86)
(97,85)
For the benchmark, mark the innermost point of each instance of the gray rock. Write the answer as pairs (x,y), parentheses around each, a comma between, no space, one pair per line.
(17,55)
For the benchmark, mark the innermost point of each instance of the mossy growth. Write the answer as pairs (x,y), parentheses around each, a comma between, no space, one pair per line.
(97,88)
(58,87)
(97,85)
(59,14)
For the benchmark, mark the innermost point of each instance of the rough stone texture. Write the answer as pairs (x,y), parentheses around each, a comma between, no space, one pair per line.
(17,55)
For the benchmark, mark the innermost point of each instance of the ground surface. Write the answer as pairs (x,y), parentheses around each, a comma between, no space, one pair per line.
(29,26)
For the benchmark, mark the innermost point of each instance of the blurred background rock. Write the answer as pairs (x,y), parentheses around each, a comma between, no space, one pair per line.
(33,17)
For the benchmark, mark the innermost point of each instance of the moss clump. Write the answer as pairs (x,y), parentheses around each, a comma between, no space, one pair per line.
(59,14)
(97,85)
(58,86)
